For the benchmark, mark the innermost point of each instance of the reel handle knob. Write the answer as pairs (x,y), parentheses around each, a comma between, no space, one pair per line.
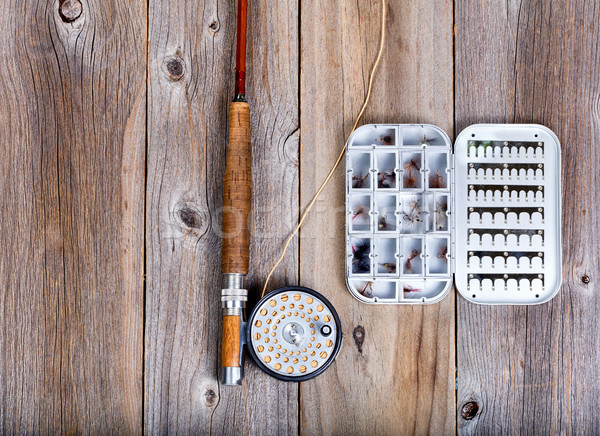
(326,330)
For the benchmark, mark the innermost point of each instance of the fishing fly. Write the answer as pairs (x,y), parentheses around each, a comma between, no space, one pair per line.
(409,265)
(441,215)
(408,289)
(410,179)
(383,224)
(360,257)
(359,181)
(367,291)
(384,140)
(361,212)
(411,172)
(414,164)
(443,253)
(386,179)
(389,267)
(413,216)
(436,180)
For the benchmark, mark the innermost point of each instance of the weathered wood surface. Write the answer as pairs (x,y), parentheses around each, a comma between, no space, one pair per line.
(395,371)
(95,133)
(191,64)
(534,370)
(72,123)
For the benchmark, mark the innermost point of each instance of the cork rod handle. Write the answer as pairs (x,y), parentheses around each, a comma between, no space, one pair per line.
(236,192)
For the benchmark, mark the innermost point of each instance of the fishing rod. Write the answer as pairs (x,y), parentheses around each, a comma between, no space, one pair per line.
(289,325)
(293,333)
(237,188)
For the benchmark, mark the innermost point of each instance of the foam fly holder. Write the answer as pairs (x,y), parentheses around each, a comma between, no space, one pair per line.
(420,216)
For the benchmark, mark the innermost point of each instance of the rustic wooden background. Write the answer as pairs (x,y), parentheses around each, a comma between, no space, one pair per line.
(112,150)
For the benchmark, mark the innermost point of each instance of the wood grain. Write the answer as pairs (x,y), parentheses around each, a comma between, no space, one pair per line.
(72,119)
(532,369)
(231,340)
(191,78)
(395,371)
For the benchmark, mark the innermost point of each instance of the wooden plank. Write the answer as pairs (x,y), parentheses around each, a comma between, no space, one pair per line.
(191,53)
(72,86)
(533,369)
(395,371)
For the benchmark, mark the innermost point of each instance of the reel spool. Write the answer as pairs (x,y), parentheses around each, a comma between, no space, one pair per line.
(294,333)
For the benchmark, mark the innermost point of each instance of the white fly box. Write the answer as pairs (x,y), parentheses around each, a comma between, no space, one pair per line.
(420,216)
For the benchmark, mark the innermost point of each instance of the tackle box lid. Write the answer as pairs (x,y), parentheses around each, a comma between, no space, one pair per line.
(422,213)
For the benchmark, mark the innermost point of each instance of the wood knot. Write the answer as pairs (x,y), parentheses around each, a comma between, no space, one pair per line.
(359,337)
(69,10)
(469,410)
(210,398)
(585,279)
(174,68)
(190,217)
(214,26)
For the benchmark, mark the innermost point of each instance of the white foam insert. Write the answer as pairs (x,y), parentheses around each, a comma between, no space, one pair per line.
(507,222)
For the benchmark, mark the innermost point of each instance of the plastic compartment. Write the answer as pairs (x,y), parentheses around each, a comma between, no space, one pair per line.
(360,171)
(383,135)
(413,213)
(373,291)
(423,135)
(386,216)
(386,256)
(411,256)
(412,170)
(360,213)
(360,256)
(387,173)
(424,291)
(437,171)
(440,213)
(438,260)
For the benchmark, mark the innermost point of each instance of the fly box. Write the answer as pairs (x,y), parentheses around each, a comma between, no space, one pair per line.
(421,214)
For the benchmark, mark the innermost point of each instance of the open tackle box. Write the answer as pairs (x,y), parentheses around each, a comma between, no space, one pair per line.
(419,215)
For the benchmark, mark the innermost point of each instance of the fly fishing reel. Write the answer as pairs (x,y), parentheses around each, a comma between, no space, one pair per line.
(294,333)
